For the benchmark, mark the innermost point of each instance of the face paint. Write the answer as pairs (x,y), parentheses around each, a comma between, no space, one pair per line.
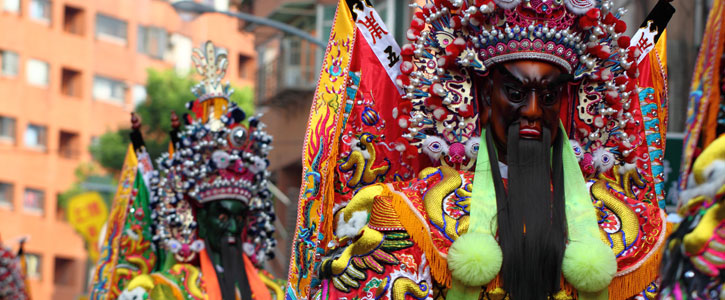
(221,222)
(526,92)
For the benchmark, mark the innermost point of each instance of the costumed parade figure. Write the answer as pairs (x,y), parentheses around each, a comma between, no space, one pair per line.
(200,226)
(12,275)
(506,155)
(695,254)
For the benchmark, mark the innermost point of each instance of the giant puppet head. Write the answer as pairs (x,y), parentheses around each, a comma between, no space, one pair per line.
(517,69)
(211,192)
(462,54)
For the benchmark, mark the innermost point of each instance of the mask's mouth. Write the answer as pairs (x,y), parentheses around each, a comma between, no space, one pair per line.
(530,130)
(231,240)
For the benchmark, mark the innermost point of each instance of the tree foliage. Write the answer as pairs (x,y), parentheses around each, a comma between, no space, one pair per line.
(166,92)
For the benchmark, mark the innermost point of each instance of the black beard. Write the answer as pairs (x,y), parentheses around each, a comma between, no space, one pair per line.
(531,218)
(234,274)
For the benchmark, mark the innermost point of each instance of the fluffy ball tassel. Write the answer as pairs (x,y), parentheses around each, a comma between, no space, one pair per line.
(475,259)
(589,266)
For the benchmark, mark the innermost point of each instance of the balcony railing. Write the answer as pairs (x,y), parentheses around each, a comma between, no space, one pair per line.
(289,67)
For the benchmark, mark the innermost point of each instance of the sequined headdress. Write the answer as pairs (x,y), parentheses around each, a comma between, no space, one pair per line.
(451,40)
(220,154)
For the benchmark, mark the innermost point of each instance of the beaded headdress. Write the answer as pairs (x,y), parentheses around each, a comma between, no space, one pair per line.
(452,41)
(219,155)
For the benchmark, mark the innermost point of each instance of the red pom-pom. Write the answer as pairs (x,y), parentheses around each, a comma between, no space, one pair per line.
(633,71)
(445,61)
(620,26)
(624,42)
(417,24)
(586,23)
(427,9)
(403,122)
(466,110)
(433,101)
(440,113)
(612,97)
(407,50)
(402,80)
(453,50)
(633,53)
(609,19)
(456,22)
(620,80)
(419,15)
(407,67)
(594,13)
(412,34)
(405,107)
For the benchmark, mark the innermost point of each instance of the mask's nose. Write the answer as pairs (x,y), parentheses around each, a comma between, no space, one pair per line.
(532,110)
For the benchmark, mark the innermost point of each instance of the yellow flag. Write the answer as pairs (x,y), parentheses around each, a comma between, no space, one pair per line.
(87,213)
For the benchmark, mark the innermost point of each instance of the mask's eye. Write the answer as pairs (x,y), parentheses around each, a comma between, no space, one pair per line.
(577,150)
(435,147)
(549,98)
(223,217)
(514,95)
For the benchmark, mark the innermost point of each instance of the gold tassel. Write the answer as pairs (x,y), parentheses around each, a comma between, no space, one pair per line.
(420,234)
(628,285)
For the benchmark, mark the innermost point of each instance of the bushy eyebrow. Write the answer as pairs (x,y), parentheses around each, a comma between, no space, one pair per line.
(506,73)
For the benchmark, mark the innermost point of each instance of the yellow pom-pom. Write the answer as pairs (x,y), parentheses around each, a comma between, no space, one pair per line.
(589,266)
(475,259)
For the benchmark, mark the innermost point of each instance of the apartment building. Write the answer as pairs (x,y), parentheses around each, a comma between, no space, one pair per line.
(69,71)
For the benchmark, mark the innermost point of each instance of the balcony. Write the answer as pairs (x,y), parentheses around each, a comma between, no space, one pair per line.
(288,72)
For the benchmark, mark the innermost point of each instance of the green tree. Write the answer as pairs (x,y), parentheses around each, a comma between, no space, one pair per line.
(166,92)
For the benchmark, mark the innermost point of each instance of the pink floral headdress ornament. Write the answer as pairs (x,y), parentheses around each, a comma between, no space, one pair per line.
(450,40)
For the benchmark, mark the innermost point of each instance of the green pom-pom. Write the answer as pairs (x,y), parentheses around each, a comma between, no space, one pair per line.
(475,259)
(589,266)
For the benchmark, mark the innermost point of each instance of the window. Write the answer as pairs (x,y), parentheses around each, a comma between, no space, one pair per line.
(110,29)
(9,63)
(219,5)
(70,82)
(40,10)
(33,200)
(244,65)
(326,20)
(32,265)
(180,53)
(37,72)
(108,89)
(139,94)
(66,271)
(73,20)
(68,144)
(7,128)
(6,194)
(152,41)
(36,137)
(11,6)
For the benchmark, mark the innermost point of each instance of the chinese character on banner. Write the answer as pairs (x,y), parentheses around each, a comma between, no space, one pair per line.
(372,25)
(87,213)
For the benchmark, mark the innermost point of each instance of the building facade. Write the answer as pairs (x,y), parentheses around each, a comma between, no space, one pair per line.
(71,70)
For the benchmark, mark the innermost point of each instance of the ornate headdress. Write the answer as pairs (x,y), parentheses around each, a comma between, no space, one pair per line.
(452,40)
(217,156)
